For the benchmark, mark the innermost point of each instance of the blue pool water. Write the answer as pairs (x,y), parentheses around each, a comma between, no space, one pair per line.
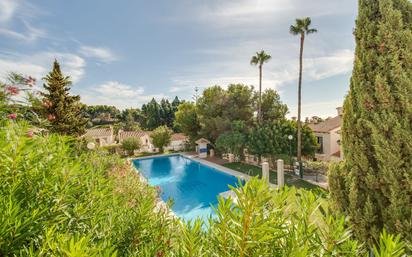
(194,187)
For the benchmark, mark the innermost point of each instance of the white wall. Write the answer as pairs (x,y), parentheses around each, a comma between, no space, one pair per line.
(330,145)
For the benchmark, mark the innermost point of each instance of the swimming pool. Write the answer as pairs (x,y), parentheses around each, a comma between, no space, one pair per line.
(193,186)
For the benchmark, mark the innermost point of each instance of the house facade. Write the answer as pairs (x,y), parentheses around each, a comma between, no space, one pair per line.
(328,137)
(177,143)
(144,136)
(102,136)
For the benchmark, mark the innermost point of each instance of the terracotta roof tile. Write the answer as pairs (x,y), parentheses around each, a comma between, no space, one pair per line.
(99,132)
(179,136)
(126,134)
(327,125)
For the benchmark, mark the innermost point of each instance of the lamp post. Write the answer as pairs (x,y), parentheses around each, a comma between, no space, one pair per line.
(290,137)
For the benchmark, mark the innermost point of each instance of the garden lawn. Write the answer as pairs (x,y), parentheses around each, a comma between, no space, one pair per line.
(290,180)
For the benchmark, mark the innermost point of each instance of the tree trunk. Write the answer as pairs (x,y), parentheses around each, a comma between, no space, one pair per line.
(260,95)
(299,150)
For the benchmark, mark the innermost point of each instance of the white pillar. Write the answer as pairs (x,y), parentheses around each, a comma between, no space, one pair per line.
(281,173)
(231,157)
(265,171)
(211,152)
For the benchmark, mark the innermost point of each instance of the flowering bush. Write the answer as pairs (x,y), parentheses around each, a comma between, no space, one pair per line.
(11,97)
(55,201)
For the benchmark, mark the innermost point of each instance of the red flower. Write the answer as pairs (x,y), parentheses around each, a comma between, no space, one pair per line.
(51,117)
(30,133)
(12,116)
(12,90)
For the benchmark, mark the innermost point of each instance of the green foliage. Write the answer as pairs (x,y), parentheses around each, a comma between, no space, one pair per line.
(301,28)
(16,96)
(63,111)
(234,140)
(161,137)
(187,120)
(131,144)
(216,108)
(55,201)
(272,107)
(267,222)
(271,139)
(317,165)
(155,114)
(373,185)
(258,60)
(102,114)
(130,119)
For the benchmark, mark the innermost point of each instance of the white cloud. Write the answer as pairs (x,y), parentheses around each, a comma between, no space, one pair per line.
(29,35)
(277,73)
(19,13)
(118,90)
(339,62)
(100,53)
(39,64)
(118,94)
(7,9)
(255,13)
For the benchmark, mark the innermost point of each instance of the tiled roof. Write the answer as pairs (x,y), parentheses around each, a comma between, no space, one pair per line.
(126,134)
(99,132)
(327,125)
(179,137)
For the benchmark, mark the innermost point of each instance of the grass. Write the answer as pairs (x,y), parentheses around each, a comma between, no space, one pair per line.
(290,180)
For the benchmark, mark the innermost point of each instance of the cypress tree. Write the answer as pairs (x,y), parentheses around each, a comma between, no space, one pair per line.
(373,185)
(63,110)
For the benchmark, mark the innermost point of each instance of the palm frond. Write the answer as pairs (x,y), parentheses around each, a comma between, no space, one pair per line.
(294,30)
(310,31)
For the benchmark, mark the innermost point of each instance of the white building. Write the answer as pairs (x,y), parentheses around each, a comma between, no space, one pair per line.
(102,136)
(328,137)
(144,136)
(177,143)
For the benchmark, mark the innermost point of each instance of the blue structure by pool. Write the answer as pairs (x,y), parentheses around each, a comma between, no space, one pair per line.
(193,186)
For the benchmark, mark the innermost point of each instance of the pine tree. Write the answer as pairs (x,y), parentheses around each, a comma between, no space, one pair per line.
(63,110)
(373,185)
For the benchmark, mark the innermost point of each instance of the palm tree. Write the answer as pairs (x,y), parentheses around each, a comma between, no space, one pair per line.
(301,28)
(259,59)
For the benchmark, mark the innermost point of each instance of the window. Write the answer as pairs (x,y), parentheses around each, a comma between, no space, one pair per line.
(320,143)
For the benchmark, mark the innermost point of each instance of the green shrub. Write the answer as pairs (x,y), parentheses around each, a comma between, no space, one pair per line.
(56,202)
(161,137)
(317,165)
(131,144)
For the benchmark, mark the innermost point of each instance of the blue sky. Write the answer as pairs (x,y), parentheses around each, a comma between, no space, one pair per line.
(125,52)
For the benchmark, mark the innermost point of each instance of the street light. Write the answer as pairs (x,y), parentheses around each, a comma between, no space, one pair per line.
(290,137)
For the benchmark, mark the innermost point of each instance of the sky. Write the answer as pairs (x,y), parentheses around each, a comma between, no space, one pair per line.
(126,52)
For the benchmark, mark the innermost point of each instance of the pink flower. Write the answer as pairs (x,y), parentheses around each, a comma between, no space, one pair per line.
(47,103)
(30,133)
(30,81)
(12,116)
(51,117)
(12,90)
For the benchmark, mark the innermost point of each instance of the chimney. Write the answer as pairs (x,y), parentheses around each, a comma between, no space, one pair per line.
(340,111)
